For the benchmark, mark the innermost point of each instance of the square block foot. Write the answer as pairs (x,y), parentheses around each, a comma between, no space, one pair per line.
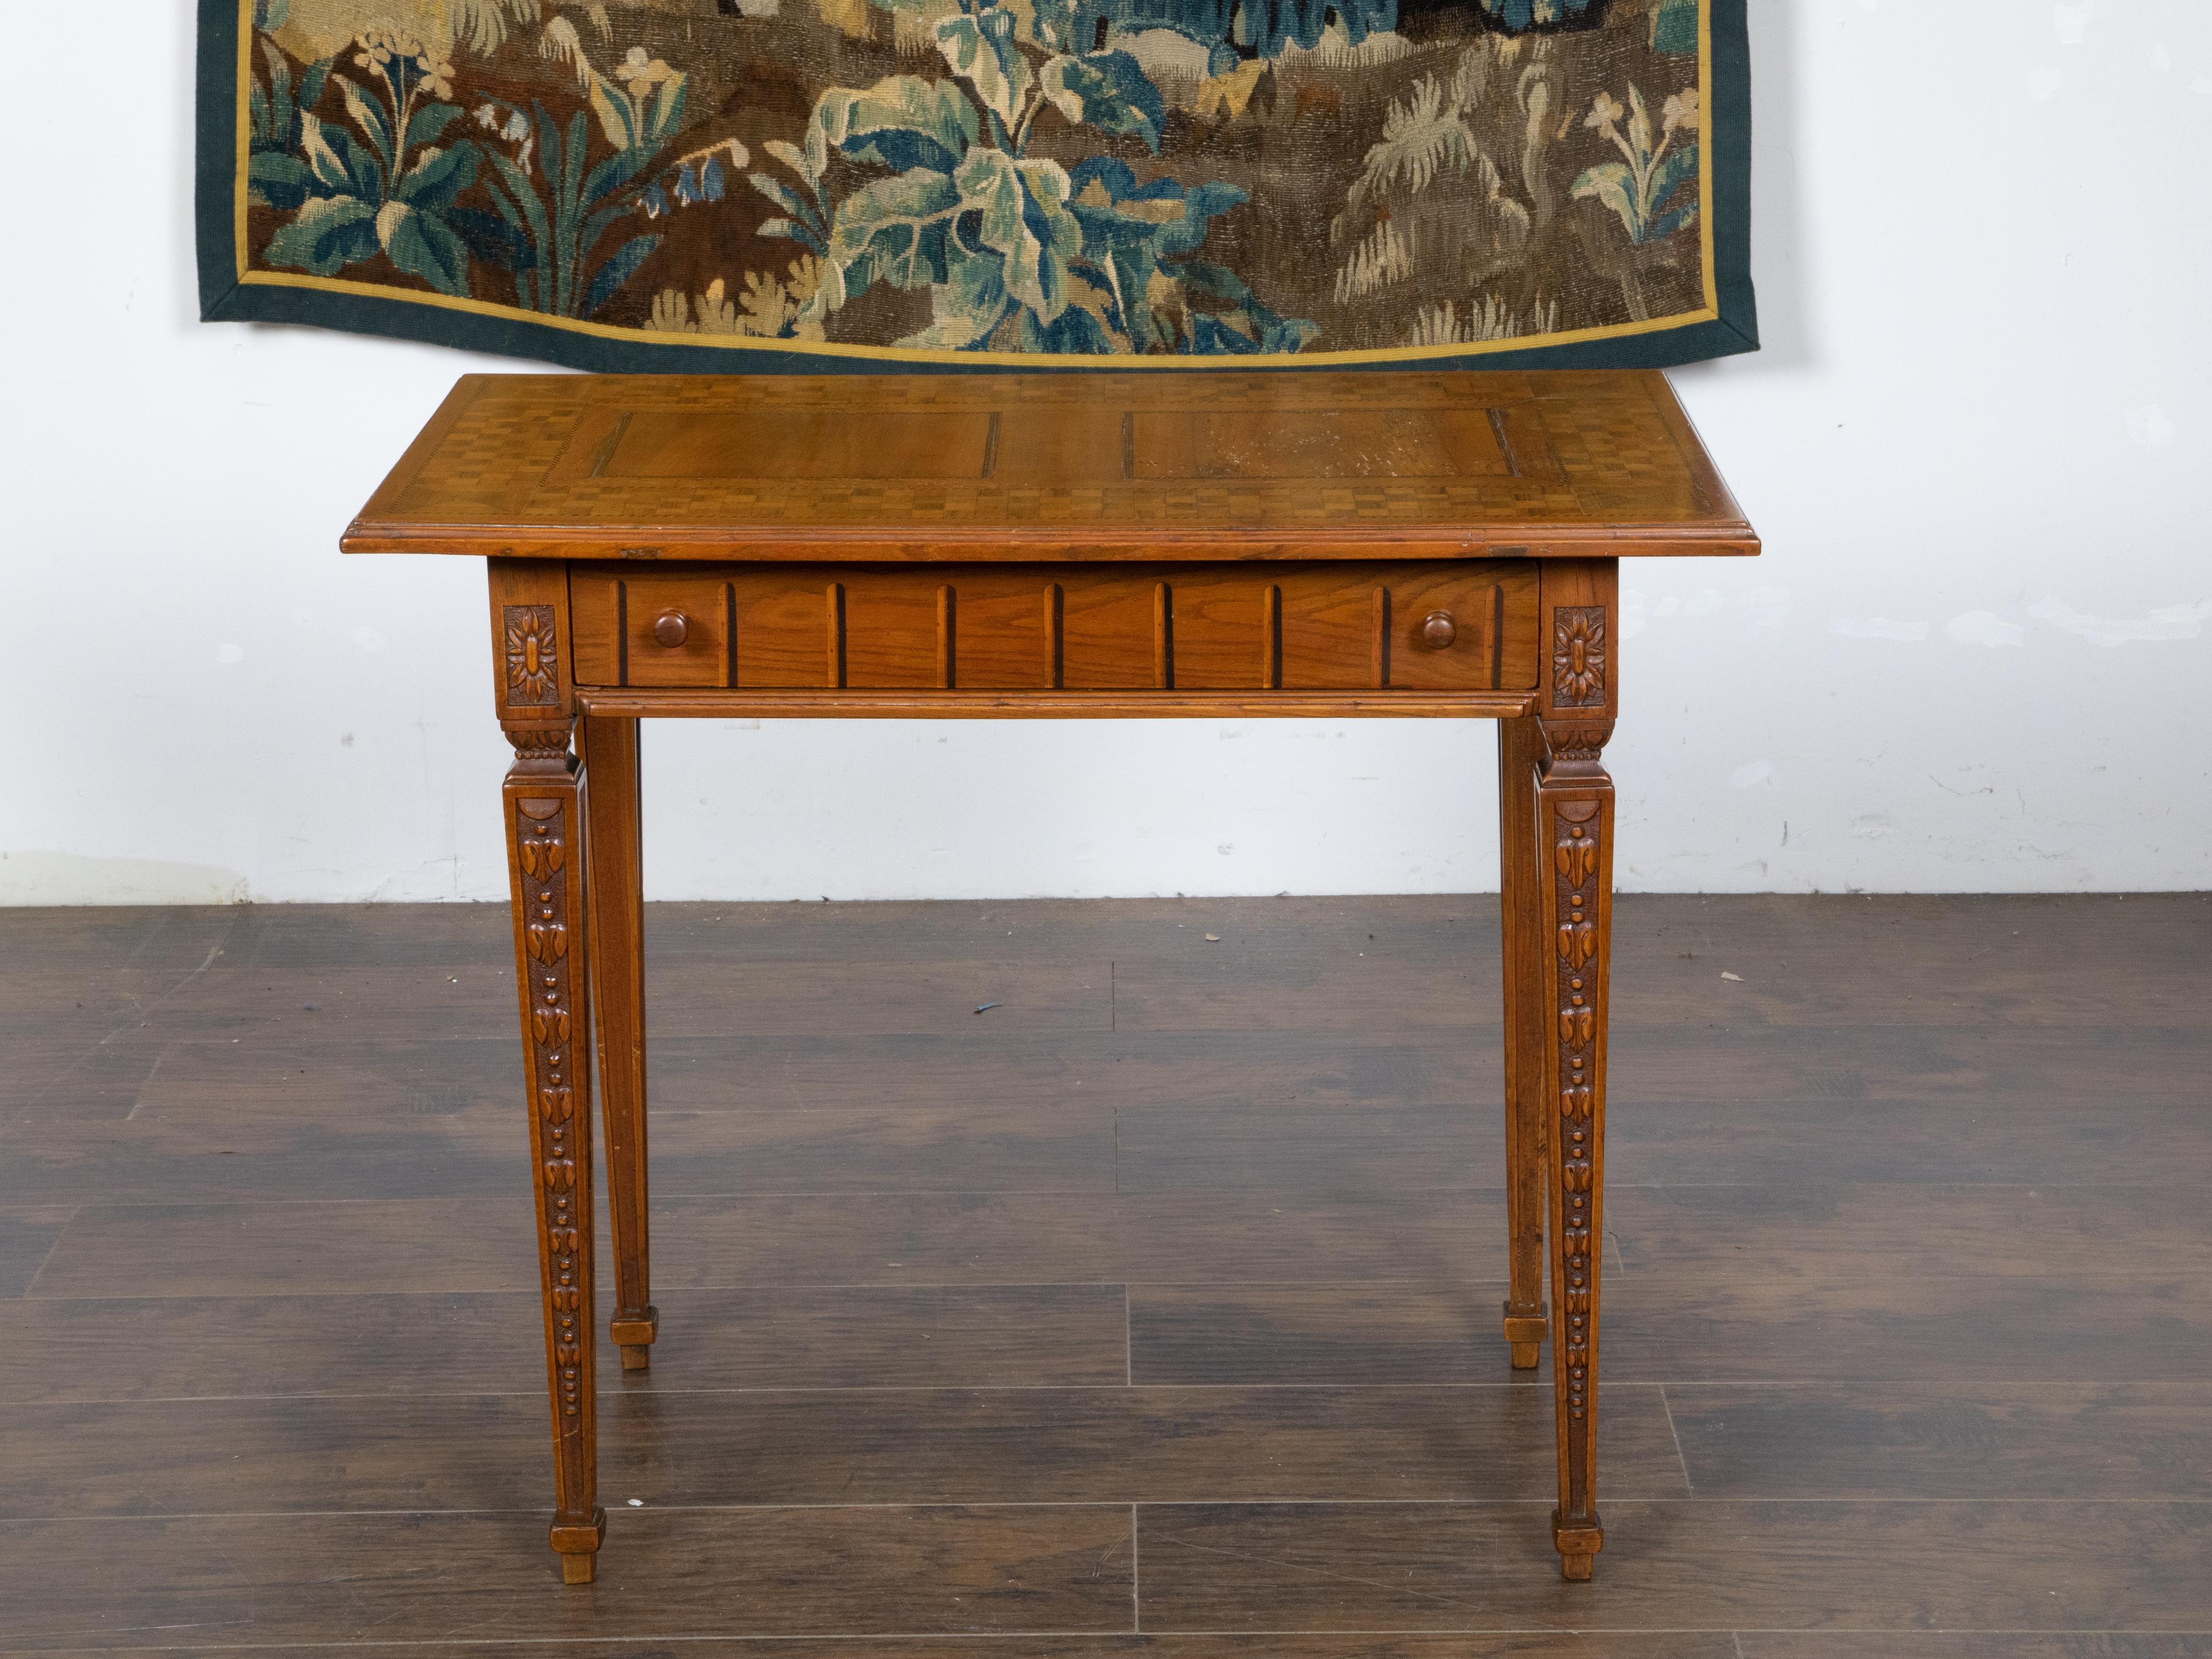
(637,1359)
(1579,1542)
(1527,1330)
(577,1543)
(1526,1355)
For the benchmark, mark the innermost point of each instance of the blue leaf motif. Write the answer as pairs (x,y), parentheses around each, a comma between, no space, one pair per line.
(492,239)
(1515,15)
(1260,27)
(1208,339)
(903,121)
(328,234)
(621,264)
(1108,90)
(424,245)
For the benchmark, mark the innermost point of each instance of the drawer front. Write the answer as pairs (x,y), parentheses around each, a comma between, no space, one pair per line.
(1416,626)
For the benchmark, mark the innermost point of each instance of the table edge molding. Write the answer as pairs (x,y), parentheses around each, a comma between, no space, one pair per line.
(1031,545)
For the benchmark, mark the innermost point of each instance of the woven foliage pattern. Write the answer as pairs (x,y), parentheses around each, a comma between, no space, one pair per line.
(714,182)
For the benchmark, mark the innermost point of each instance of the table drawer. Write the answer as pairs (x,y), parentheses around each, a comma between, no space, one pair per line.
(1465,625)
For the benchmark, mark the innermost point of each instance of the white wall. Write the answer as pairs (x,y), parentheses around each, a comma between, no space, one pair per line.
(1975,656)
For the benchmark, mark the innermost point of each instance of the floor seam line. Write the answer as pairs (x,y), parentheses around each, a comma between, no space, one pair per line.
(1675,1434)
(60,1233)
(1136,1583)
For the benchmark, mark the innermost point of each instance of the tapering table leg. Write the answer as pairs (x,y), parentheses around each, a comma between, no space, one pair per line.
(1574,806)
(1520,750)
(544,801)
(1577,702)
(617,933)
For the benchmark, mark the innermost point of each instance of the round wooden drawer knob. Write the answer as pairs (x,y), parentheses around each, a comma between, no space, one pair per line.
(1438,630)
(672,628)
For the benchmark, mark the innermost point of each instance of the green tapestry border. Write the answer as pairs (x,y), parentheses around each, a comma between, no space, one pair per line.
(225,297)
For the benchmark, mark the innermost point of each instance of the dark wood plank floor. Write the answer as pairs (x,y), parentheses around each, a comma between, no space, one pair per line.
(1154,1311)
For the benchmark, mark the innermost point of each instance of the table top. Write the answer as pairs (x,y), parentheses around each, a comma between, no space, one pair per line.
(1214,465)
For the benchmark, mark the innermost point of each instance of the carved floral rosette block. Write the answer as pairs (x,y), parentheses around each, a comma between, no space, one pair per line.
(1579,651)
(533,678)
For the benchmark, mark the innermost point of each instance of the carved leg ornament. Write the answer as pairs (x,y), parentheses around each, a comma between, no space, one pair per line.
(1574,807)
(545,800)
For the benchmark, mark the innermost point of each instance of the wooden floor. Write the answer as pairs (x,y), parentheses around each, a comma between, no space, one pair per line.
(1161,1298)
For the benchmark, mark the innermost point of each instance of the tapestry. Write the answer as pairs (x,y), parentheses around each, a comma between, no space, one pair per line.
(705,185)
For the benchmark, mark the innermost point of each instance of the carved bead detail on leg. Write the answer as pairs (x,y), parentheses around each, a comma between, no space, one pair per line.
(545,800)
(1575,813)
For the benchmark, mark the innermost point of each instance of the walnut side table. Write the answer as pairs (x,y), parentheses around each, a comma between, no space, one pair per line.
(1213,543)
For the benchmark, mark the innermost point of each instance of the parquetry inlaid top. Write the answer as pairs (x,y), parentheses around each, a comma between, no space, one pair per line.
(1003,466)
